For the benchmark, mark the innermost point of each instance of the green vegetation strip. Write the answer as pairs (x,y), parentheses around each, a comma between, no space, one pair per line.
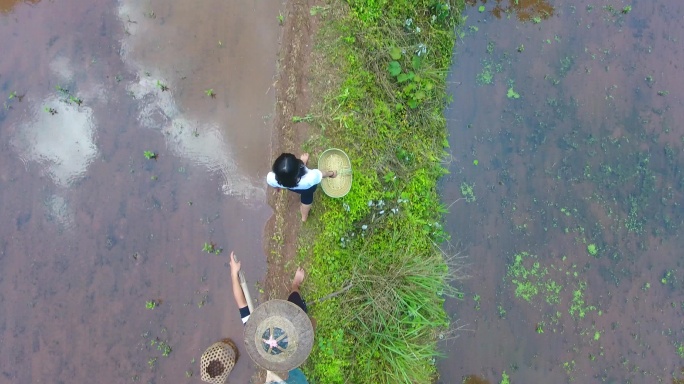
(381,68)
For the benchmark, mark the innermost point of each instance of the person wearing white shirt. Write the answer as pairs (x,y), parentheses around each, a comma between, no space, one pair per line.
(291,173)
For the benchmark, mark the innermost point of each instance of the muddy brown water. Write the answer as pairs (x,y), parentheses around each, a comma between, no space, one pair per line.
(589,153)
(92,230)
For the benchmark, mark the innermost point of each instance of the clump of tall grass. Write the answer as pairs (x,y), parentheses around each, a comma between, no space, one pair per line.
(395,306)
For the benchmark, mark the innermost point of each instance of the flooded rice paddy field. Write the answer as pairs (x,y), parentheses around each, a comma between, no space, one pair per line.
(103,277)
(566,191)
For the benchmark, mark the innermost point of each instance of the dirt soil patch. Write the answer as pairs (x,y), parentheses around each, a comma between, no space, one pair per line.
(293,98)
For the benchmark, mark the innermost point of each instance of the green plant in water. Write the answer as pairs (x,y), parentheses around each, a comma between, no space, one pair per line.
(512,94)
(668,277)
(486,76)
(680,350)
(210,93)
(151,304)
(281,19)
(467,192)
(212,248)
(164,347)
(627,9)
(149,155)
(162,86)
(592,249)
(76,100)
(504,378)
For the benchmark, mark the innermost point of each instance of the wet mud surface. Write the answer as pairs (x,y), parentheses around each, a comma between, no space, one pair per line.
(566,191)
(92,230)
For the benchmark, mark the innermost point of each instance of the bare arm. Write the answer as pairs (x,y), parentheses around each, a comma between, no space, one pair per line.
(237,290)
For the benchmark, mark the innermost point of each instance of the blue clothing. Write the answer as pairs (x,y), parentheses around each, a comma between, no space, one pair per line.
(296,377)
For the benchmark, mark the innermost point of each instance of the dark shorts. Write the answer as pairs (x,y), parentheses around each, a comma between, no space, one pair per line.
(294,298)
(307,194)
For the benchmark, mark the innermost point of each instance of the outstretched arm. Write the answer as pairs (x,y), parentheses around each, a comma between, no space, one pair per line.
(237,290)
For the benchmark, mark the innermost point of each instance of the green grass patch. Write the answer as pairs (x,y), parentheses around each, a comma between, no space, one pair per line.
(530,279)
(380,74)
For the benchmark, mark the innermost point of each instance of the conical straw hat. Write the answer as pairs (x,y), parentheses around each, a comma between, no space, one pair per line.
(278,336)
(217,361)
(334,159)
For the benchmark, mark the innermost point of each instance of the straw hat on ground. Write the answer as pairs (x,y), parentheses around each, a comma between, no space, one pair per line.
(334,159)
(218,361)
(279,336)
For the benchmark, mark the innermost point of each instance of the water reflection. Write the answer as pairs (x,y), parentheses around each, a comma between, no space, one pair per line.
(173,84)
(58,137)
(201,141)
(7,5)
(564,132)
(524,10)
(92,229)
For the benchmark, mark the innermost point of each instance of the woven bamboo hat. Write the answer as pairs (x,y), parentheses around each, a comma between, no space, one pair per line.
(218,361)
(334,159)
(279,336)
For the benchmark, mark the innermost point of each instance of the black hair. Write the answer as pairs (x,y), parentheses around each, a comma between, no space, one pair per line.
(288,170)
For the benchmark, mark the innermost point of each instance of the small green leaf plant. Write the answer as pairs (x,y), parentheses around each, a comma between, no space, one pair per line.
(212,248)
(162,86)
(415,88)
(210,93)
(150,155)
(151,304)
(512,94)
(592,249)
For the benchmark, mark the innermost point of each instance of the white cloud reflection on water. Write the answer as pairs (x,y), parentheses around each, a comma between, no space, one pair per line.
(200,141)
(62,144)
(148,52)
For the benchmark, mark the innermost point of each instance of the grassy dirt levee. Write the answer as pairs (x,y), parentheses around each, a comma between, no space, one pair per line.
(376,72)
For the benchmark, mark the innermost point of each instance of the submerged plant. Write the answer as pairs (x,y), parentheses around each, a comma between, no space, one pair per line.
(467,192)
(592,249)
(210,93)
(162,86)
(212,248)
(149,155)
(511,94)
